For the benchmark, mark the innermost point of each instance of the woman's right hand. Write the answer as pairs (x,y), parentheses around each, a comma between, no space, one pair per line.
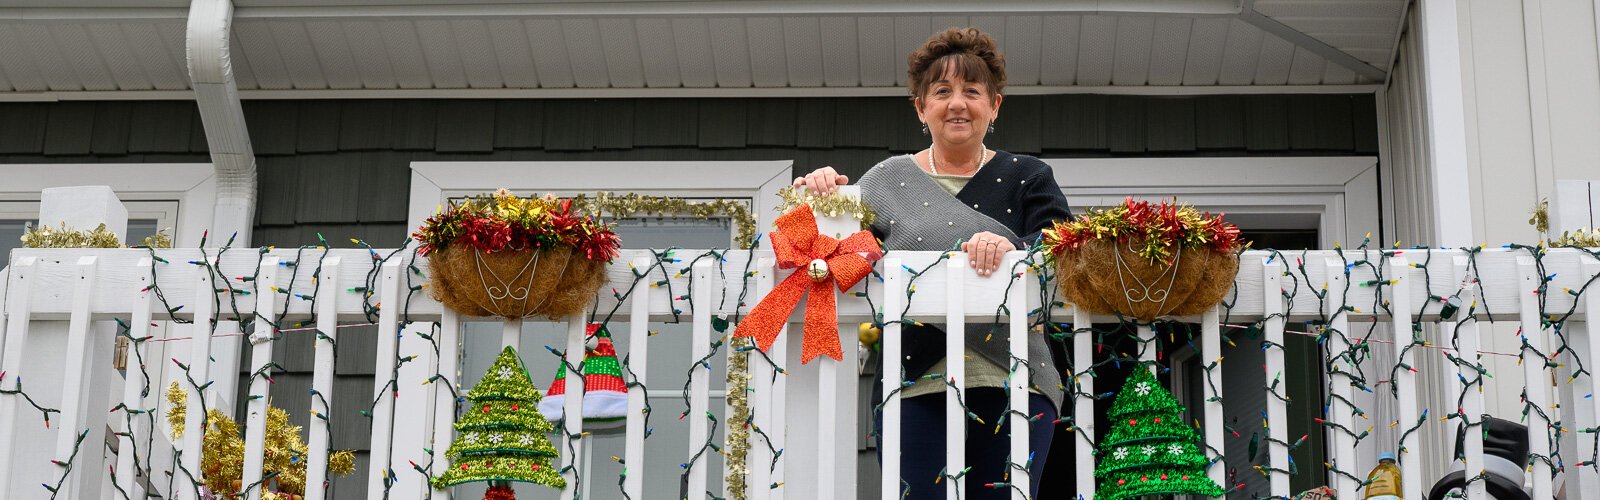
(822,181)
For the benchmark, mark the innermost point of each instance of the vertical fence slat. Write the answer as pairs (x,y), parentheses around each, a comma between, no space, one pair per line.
(1211,359)
(1466,335)
(955,349)
(382,411)
(17,311)
(1405,379)
(700,386)
(1591,335)
(263,338)
(1277,409)
(1021,455)
(444,400)
(1147,346)
(638,355)
(893,374)
(780,398)
(327,336)
(511,334)
(77,367)
(413,428)
(1083,402)
(763,400)
(1533,373)
(199,370)
(1339,409)
(133,386)
(572,423)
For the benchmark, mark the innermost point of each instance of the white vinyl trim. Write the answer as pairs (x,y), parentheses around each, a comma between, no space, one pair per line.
(1342,191)
(191,185)
(434,183)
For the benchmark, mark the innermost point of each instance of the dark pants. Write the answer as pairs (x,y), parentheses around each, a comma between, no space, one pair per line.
(923,444)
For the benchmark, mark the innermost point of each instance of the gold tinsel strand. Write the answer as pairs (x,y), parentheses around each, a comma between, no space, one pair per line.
(222,462)
(633,204)
(827,205)
(738,436)
(65,237)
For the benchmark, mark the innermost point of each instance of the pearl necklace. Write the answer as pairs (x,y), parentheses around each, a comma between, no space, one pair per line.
(983,157)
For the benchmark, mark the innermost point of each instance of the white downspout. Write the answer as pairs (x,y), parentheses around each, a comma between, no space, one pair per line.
(216,94)
(211,75)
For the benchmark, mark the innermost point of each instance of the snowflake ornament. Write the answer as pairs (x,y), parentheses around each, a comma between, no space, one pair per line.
(505,372)
(1143,389)
(1174,449)
(525,440)
(472,437)
(496,438)
(1148,450)
(1121,453)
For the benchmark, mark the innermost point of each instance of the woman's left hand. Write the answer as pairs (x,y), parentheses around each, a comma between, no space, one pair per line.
(984,251)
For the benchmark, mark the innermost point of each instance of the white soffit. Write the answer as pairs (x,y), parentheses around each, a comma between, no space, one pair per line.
(65,46)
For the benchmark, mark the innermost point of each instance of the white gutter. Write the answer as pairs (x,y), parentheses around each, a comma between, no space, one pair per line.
(211,76)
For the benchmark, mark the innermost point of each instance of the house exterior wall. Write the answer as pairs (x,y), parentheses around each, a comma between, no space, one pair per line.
(341,168)
(1530,78)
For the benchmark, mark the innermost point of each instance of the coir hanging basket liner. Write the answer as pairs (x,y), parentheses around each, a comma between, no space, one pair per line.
(551,282)
(1110,277)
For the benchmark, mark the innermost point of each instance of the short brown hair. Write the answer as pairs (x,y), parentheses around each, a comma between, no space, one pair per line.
(973,55)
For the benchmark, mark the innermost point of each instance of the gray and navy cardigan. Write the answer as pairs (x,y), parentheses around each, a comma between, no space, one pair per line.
(1015,196)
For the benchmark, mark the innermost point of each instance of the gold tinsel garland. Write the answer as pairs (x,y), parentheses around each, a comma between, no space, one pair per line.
(827,205)
(633,204)
(737,445)
(222,459)
(1581,237)
(65,237)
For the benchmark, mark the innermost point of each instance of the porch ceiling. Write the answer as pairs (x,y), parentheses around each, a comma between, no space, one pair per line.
(65,46)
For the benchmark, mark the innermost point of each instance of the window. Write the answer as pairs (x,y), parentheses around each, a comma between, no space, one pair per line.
(758,182)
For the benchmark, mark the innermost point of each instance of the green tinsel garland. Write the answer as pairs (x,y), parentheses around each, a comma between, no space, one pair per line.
(526,470)
(503,435)
(1149,450)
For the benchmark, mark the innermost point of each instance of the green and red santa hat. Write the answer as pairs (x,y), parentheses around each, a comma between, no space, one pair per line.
(605,397)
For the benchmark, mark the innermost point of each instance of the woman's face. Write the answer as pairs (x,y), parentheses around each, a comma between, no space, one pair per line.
(957,112)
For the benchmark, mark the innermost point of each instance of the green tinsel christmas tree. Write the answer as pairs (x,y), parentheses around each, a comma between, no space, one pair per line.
(502,435)
(1149,450)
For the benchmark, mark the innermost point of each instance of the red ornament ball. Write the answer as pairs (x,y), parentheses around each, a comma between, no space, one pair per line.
(1163,476)
(1158,420)
(1133,422)
(535,466)
(1144,478)
(486,408)
(514,407)
(1185,477)
(1121,482)
(463,466)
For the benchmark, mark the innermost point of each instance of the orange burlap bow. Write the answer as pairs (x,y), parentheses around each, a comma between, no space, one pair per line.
(798,245)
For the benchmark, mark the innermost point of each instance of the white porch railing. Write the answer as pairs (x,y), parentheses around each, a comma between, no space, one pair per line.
(54,298)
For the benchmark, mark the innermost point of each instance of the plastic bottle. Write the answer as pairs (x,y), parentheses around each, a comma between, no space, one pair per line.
(1385,479)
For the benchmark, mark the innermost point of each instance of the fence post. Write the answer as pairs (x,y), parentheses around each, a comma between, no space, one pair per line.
(327,335)
(1277,408)
(638,357)
(1534,345)
(262,340)
(382,412)
(893,377)
(137,383)
(1340,409)
(1082,394)
(1021,455)
(955,349)
(1469,374)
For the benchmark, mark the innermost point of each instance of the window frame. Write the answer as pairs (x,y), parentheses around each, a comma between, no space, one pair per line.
(190,187)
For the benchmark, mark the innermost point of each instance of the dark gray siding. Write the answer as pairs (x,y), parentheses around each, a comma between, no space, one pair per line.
(341,168)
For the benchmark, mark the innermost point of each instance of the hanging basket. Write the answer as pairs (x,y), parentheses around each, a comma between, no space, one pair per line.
(1110,277)
(551,282)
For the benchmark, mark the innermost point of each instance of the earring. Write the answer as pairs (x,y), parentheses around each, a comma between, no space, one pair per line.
(924,129)
(991,127)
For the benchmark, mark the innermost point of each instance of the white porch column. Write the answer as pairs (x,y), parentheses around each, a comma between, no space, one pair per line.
(1446,124)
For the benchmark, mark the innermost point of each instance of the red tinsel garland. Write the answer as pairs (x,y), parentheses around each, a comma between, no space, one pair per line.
(501,492)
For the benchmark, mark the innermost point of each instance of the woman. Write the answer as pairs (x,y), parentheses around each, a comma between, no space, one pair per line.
(992,202)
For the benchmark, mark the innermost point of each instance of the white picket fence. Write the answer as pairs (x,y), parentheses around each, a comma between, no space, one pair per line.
(78,289)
